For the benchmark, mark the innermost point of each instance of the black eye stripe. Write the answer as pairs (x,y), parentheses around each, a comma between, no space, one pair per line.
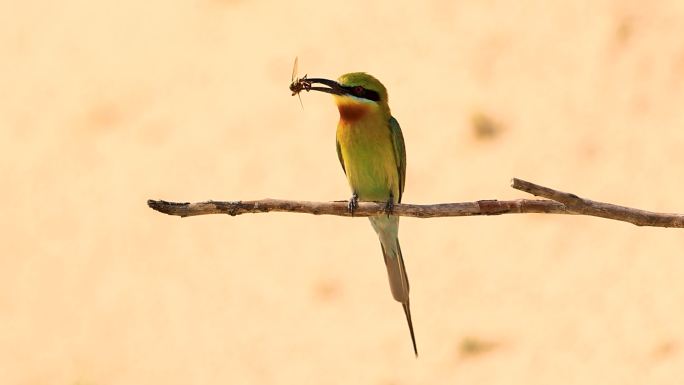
(365,93)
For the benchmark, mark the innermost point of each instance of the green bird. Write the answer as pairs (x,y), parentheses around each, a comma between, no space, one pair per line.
(370,147)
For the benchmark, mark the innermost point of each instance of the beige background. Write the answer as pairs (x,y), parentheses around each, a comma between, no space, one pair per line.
(105,104)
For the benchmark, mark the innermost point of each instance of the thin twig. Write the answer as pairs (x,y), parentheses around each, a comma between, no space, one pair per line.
(583,206)
(560,203)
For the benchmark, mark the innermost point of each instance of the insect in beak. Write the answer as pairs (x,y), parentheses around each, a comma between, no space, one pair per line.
(297,84)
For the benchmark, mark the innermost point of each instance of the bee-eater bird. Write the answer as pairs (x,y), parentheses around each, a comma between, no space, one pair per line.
(370,147)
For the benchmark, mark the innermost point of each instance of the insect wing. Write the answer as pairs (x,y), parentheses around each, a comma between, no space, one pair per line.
(294,70)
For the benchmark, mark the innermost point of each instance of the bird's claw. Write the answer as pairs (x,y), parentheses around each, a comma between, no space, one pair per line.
(353,204)
(389,207)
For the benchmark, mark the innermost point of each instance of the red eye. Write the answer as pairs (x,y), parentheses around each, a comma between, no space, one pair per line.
(358,90)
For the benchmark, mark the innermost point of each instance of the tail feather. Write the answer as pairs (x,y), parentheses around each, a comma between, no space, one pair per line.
(387,228)
(407,311)
(399,284)
(396,272)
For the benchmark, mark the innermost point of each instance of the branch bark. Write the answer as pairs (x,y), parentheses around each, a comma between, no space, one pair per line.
(558,203)
(583,206)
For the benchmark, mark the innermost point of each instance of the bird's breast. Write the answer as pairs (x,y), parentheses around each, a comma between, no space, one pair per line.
(368,156)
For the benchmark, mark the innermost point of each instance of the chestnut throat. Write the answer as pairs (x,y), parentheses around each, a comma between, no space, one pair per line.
(352,112)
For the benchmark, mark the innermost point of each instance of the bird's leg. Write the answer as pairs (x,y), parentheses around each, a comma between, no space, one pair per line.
(389,206)
(353,204)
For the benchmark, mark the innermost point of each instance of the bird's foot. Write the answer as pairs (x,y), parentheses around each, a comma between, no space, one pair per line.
(389,206)
(353,204)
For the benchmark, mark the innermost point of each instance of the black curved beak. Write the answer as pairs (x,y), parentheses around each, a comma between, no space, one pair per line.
(334,87)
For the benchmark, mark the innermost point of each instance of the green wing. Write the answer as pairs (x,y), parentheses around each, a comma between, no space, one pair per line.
(399,153)
(339,156)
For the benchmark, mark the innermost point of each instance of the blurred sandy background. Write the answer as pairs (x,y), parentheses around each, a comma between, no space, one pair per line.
(107,104)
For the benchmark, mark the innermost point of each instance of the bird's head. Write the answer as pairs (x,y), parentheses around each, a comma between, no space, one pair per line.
(356,94)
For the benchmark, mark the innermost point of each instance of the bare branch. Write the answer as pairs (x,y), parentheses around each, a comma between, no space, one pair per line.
(582,206)
(560,203)
(365,209)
